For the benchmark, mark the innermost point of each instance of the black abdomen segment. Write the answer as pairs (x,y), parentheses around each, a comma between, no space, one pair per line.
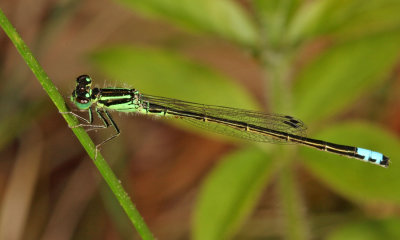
(365,155)
(349,151)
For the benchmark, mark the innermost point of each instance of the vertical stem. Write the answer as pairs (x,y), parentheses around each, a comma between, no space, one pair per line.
(278,65)
(292,207)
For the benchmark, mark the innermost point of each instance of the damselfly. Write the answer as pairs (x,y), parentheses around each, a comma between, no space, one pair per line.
(250,125)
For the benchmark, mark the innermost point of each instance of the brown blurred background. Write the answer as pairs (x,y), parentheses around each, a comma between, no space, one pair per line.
(50,189)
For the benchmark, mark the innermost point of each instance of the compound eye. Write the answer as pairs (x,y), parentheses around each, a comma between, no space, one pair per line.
(84,79)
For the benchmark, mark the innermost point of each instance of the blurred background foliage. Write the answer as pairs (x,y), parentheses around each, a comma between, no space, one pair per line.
(332,63)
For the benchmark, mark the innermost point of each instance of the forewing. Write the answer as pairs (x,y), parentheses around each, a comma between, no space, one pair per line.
(282,123)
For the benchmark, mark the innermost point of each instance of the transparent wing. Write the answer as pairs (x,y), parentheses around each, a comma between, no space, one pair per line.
(275,122)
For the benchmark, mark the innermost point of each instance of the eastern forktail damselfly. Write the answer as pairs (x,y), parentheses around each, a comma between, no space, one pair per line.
(250,125)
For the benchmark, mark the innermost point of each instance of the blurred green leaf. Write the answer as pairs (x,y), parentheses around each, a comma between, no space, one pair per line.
(222,17)
(274,16)
(306,20)
(230,192)
(345,19)
(343,73)
(369,18)
(357,180)
(167,74)
(368,230)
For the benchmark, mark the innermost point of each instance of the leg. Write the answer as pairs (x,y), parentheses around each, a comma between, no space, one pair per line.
(106,125)
(88,122)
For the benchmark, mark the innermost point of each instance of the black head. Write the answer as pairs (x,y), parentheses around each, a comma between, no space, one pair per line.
(82,95)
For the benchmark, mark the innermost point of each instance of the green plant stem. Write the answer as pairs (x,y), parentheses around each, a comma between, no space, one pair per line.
(80,133)
(277,64)
(292,207)
(277,67)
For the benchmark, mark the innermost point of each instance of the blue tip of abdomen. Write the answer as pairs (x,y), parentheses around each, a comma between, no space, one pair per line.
(373,157)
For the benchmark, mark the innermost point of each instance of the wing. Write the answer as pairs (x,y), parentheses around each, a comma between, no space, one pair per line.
(282,123)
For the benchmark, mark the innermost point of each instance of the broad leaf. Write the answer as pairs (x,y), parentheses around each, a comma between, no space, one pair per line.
(166,74)
(368,230)
(344,19)
(230,192)
(343,73)
(222,17)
